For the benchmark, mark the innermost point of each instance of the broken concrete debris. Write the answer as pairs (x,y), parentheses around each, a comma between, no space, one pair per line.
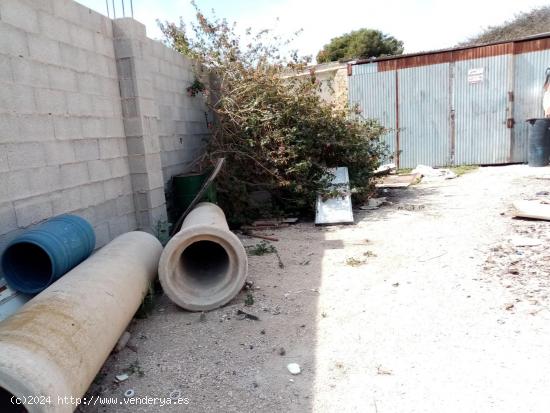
(399,181)
(430,174)
(121,377)
(294,368)
(535,209)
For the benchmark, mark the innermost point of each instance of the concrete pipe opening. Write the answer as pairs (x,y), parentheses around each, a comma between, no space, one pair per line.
(204,265)
(8,403)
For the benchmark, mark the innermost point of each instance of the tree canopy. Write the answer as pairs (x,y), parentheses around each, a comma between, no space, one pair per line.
(360,44)
(522,25)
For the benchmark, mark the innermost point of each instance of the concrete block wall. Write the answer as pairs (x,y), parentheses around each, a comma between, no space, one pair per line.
(183,119)
(91,122)
(62,141)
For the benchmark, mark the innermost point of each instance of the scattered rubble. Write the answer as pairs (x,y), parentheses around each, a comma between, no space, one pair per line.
(294,368)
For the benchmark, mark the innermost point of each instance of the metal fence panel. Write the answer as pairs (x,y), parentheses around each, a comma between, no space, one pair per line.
(480,108)
(375,94)
(424,132)
(529,78)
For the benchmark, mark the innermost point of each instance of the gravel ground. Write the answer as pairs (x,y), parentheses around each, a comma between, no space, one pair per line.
(424,305)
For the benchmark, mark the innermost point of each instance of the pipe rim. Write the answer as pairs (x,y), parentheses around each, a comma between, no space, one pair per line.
(8,273)
(172,254)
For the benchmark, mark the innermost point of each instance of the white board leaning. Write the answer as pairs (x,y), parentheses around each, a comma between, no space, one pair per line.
(336,210)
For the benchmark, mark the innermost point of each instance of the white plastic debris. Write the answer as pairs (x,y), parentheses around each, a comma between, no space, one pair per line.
(129,393)
(386,168)
(121,377)
(294,368)
(433,174)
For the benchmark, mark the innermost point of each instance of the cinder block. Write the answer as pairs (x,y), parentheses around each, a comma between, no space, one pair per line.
(73,57)
(43,49)
(9,128)
(8,221)
(104,45)
(132,222)
(50,101)
(82,37)
(15,186)
(98,64)
(105,210)
(13,41)
(125,68)
(45,180)
(127,47)
(92,194)
(89,83)
(33,210)
(125,204)
(133,127)
(127,88)
(129,107)
(151,144)
(67,127)
(99,170)
(4,167)
(22,101)
(42,5)
(140,182)
(25,155)
(62,79)
(90,18)
(30,73)
(86,150)
(59,153)
(119,167)
(67,9)
(74,174)
(118,225)
(114,128)
(66,201)
(103,106)
(156,197)
(127,185)
(53,27)
(127,27)
(137,164)
(19,14)
(102,236)
(109,148)
(87,213)
(79,104)
(93,128)
(113,188)
(5,68)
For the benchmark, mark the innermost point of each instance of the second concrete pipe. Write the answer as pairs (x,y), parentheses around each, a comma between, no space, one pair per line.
(204,265)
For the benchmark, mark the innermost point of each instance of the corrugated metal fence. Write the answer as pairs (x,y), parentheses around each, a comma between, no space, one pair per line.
(455,107)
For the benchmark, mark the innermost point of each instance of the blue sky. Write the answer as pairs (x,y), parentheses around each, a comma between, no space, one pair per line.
(421,24)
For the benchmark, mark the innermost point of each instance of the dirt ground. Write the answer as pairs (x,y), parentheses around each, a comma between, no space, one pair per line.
(424,305)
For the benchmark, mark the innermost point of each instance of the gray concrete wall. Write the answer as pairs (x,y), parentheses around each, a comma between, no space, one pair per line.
(65,132)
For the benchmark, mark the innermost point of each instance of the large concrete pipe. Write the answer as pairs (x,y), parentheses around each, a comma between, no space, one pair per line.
(52,349)
(204,265)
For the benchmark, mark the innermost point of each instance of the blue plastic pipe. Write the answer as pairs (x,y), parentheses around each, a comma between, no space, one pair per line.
(41,255)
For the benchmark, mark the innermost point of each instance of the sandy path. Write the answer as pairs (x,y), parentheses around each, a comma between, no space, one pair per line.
(421,326)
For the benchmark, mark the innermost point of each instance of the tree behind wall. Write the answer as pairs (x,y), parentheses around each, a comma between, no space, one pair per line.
(360,44)
(524,24)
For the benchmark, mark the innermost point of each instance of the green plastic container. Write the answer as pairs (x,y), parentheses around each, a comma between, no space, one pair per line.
(186,188)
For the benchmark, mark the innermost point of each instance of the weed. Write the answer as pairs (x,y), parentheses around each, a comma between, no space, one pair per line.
(261,249)
(369,254)
(464,169)
(135,368)
(249,300)
(354,262)
(162,231)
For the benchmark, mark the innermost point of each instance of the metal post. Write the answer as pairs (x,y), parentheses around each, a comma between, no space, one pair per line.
(132,8)
(123,11)
(107,4)
(114,10)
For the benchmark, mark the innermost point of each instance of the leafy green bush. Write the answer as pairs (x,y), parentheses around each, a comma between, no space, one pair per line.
(274,130)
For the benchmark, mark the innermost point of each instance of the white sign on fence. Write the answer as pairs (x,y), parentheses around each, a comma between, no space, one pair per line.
(476,75)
